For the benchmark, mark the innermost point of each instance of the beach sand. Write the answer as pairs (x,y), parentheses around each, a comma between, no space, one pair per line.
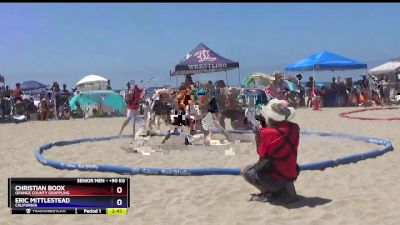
(362,193)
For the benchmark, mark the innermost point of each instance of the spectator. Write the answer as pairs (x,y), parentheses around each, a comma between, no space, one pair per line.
(300,88)
(385,93)
(64,97)
(55,87)
(188,80)
(56,94)
(6,92)
(349,85)
(127,89)
(278,87)
(65,90)
(43,111)
(334,86)
(277,142)
(310,87)
(366,88)
(109,85)
(17,92)
(75,91)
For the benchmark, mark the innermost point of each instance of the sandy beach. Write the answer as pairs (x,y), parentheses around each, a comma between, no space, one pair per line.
(361,193)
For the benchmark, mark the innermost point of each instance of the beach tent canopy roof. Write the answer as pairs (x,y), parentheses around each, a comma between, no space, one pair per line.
(202,59)
(386,68)
(32,85)
(325,60)
(91,79)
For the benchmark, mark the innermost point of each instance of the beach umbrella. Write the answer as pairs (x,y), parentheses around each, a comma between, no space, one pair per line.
(32,85)
(258,80)
(91,79)
(92,82)
(109,100)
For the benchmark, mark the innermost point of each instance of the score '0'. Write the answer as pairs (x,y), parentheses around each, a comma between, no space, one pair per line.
(119,202)
(119,190)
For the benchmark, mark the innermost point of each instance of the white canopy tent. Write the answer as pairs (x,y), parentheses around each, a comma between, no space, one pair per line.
(92,83)
(390,69)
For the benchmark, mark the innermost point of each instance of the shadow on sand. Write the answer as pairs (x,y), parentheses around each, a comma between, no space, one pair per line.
(302,202)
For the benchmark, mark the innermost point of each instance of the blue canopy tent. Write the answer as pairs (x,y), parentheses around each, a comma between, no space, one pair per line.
(202,59)
(325,60)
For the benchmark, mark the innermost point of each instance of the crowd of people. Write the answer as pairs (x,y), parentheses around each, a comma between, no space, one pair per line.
(367,91)
(194,98)
(47,104)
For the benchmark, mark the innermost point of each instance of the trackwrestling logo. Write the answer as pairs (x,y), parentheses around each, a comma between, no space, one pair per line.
(204,55)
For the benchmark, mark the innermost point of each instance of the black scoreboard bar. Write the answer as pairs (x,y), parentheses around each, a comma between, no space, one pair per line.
(69,195)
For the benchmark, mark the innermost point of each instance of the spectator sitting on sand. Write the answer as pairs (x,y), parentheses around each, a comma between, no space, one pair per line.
(43,110)
(277,142)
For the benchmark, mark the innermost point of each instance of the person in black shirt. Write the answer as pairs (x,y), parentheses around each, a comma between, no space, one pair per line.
(6,93)
(55,87)
(334,86)
(302,101)
(65,90)
(109,85)
(64,96)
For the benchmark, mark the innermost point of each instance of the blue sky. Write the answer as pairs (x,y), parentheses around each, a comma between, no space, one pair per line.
(129,41)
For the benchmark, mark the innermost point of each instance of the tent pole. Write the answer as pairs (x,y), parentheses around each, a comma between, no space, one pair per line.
(55,104)
(170,75)
(240,85)
(313,72)
(226,77)
(177,84)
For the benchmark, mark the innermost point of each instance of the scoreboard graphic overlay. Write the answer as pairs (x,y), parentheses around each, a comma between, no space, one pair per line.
(68,195)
